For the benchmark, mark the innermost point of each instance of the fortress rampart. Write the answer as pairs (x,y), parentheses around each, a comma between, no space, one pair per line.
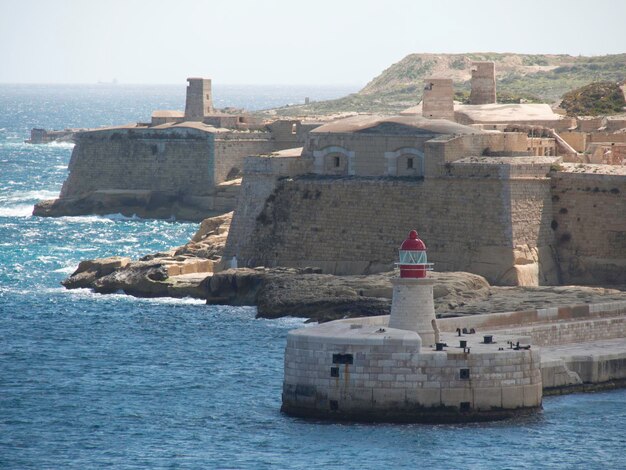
(178,170)
(513,220)
(179,160)
(320,221)
(590,226)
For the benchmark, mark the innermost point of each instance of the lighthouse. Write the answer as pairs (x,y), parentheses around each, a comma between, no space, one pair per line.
(412,305)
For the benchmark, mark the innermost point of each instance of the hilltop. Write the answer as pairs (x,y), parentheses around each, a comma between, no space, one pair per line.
(540,78)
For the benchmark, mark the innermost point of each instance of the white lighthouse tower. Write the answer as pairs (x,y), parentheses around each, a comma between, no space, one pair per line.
(412,305)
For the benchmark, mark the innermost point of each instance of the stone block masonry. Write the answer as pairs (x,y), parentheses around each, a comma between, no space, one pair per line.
(140,159)
(589,224)
(360,370)
(199,99)
(165,171)
(437,101)
(483,83)
(354,225)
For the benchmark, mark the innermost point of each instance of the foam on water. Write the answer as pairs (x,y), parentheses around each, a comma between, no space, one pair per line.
(62,145)
(18,196)
(19,210)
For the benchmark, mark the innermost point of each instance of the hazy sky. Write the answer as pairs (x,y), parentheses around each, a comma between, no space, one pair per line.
(282,41)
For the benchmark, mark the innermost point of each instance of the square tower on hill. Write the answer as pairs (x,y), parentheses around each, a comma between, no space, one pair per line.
(199,102)
(483,83)
(437,101)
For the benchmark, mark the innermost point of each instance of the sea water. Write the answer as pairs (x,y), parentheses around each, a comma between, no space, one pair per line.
(93,381)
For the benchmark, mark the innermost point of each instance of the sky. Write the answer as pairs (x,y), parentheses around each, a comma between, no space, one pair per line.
(325,42)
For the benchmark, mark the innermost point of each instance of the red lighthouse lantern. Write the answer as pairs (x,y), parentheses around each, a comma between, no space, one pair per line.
(413,262)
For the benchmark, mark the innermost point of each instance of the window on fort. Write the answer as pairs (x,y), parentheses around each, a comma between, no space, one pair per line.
(336,161)
(208,97)
(409,163)
(294,128)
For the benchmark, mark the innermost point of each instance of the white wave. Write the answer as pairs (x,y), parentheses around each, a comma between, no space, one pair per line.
(22,210)
(84,219)
(118,216)
(46,259)
(115,241)
(19,196)
(289,322)
(64,145)
(107,218)
(174,301)
(60,167)
(66,270)
(121,296)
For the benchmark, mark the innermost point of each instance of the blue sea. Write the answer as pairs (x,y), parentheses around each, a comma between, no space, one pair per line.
(90,381)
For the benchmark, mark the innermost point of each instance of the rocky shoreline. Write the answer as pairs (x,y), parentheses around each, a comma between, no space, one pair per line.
(186,271)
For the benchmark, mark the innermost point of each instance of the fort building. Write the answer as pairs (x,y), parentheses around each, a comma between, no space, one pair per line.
(497,202)
(182,164)
(504,190)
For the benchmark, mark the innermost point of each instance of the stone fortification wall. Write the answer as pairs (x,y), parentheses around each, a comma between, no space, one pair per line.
(140,159)
(178,161)
(355,225)
(261,176)
(231,149)
(290,133)
(361,154)
(446,149)
(607,137)
(590,226)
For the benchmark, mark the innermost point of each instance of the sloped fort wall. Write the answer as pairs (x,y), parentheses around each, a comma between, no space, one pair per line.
(177,160)
(355,225)
(589,211)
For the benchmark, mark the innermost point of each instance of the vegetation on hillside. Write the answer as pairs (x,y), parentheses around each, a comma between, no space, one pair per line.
(530,77)
(598,98)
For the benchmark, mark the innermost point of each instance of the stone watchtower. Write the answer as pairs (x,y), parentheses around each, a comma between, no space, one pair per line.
(199,102)
(483,83)
(412,305)
(437,101)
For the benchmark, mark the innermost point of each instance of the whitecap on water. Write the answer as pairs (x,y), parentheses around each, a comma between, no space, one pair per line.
(119,216)
(19,196)
(63,145)
(85,219)
(120,295)
(66,269)
(288,322)
(21,210)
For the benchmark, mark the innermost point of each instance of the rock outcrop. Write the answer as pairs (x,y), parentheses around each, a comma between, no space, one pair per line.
(179,272)
(308,293)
